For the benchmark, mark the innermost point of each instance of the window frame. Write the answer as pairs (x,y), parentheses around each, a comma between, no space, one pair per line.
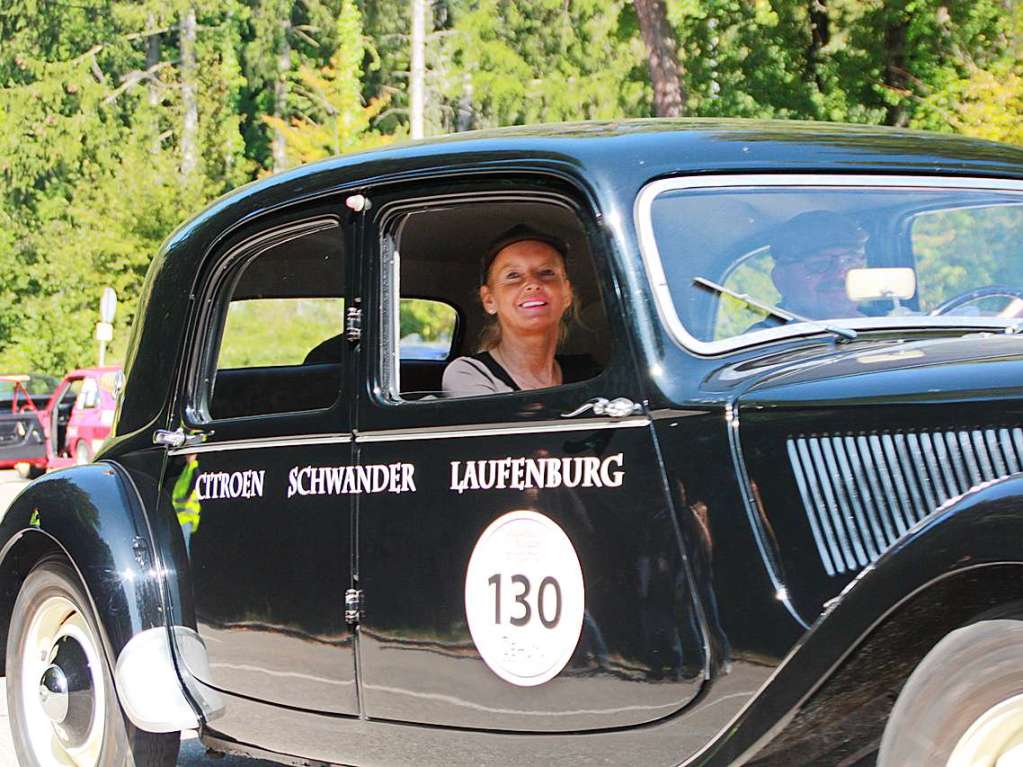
(384,384)
(213,302)
(660,289)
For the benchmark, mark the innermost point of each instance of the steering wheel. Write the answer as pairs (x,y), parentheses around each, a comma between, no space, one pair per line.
(976,294)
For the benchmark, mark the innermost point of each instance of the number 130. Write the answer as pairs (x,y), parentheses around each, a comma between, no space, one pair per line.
(522,596)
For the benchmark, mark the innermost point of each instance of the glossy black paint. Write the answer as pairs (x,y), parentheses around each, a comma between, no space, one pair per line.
(768,638)
(93,516)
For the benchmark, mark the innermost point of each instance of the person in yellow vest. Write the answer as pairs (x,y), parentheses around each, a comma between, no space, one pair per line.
(185,500)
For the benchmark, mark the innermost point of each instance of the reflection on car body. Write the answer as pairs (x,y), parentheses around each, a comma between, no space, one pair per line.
(732,540)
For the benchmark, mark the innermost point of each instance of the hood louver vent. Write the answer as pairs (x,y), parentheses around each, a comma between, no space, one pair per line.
(861,493)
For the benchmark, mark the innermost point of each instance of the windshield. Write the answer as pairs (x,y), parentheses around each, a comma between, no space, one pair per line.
(848,256)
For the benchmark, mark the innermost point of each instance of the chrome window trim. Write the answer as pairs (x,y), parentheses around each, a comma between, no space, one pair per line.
(658,282)
(252,444)
(448,432)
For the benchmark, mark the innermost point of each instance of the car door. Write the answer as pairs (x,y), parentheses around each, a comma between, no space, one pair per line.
(263,421)
(21,431)
(524,573)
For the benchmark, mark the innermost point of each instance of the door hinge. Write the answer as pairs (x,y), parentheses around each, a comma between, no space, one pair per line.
(353,323)
(353,606)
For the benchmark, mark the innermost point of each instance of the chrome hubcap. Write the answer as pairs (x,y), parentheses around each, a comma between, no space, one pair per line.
(66,692)
(53,694)
(995,739)
(62,693)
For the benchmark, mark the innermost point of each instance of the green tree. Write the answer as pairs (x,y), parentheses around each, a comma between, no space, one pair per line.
(330,116)
(547,61)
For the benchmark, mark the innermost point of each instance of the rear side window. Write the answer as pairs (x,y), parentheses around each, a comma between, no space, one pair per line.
(253,337)
(426,329)
(280,331)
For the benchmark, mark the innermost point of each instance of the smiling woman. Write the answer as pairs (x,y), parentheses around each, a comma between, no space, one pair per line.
(516,276)
(526,292)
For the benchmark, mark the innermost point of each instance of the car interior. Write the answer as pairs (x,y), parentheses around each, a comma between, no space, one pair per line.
(903,226)
(277,363)
(440,248)
(61,414)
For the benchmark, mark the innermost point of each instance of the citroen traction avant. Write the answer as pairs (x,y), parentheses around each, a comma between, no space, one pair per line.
(758,535)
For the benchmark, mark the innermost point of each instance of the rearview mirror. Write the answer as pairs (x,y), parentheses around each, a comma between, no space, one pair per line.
(871,284)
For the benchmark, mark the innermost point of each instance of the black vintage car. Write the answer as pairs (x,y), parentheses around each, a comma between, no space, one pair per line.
(777,522)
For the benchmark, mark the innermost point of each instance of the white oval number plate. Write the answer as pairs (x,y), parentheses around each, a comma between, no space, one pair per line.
(524,598)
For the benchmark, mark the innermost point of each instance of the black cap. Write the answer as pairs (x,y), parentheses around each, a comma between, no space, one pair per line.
(518,233)
(813,231)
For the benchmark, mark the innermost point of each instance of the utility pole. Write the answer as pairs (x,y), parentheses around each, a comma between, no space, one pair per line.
(105,328)
(417,75)
(189,99)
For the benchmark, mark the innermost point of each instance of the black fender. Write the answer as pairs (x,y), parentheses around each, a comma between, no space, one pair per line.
(93,516)
(959,564)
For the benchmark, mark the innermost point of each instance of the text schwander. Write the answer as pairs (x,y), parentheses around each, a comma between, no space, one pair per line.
(541,473)
(351,480)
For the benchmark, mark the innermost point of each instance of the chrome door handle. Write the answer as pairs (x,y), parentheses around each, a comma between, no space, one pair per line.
(619,407)
(177,438)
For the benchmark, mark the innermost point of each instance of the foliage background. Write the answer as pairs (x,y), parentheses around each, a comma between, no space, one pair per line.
(121,118)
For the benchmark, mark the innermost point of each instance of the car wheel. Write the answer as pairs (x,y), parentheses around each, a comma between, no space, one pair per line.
(83,453)
(963,705)
(60,694)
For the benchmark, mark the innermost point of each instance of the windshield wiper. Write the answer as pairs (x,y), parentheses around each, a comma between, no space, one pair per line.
(775,311)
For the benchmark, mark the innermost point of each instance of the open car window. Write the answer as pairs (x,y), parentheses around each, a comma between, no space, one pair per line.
(427,329)
(851,256)
(432,313)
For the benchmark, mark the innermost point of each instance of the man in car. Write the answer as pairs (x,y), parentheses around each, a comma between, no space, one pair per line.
(812,253)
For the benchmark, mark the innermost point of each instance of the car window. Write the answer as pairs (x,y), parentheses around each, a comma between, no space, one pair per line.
(108,382)
(88,395)
(751,275)
(961,250)
(426,329)
(281,307)
(70,394)
(253,337)
(738,260)
(432,311)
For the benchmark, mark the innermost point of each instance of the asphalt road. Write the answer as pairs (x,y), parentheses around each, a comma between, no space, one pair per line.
(193,754)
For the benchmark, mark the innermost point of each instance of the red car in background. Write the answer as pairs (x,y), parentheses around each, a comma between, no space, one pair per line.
(22,435)
(67,429)
(79,415)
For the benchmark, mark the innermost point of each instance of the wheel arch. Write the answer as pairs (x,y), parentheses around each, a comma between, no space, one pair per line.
(93,517)
(962,564)
(843,719)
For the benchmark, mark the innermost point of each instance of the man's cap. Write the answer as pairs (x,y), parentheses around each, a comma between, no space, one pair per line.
(518,233)
(814,231)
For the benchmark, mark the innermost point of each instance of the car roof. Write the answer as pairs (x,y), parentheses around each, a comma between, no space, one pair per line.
(611,160)
(622,156)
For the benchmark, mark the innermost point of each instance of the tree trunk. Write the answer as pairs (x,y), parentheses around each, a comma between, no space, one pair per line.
(152,58)
(278,147)
(665,72)
(466,117)
(189,101)
(417,75)
(820,35)
(896,75)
